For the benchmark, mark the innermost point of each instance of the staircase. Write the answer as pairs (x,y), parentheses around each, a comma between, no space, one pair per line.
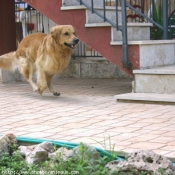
(144,54)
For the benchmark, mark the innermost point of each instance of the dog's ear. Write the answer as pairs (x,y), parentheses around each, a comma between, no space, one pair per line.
(55,32)
(75,33)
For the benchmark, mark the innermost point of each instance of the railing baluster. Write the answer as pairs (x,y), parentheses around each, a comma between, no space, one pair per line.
(116,5)
(104,10)
(81,2)
(165,17)
(152,9)
(124,35)
(92,6)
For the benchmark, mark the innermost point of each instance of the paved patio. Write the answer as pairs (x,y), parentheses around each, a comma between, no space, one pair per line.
(87,111)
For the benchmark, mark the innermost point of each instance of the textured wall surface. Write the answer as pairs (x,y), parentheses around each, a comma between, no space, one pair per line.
(86,68)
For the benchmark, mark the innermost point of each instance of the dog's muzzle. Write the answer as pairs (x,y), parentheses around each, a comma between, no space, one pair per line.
(73,44)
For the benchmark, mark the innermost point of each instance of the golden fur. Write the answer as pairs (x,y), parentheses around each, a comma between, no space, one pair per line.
(46,54)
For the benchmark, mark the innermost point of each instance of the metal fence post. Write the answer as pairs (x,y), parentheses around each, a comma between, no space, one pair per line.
(165,19)
(124,35)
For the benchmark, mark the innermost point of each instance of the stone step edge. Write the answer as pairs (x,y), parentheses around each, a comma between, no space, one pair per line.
(146,98)
(144,42)
(163,70)
(83,7)
(79,7)
(105,24)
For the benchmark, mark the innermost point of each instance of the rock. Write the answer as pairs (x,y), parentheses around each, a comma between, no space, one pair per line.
(61,153)
(46,146)
(5,143)
(37,155)
(89,153)
(143,160)
(26,150)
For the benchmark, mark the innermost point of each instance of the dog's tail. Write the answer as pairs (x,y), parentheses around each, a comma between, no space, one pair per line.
(9,61)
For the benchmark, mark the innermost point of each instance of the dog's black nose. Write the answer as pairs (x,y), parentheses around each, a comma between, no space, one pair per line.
(76,40)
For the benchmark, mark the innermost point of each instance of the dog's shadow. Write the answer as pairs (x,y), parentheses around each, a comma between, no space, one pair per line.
(63,98)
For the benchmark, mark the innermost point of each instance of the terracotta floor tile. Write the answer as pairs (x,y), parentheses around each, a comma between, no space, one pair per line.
(169,148)
(124,129)
(145,145)
(171,143)
(129,150)
(161,151)
(171,156)
(138,139)
(38,135)
(149,136)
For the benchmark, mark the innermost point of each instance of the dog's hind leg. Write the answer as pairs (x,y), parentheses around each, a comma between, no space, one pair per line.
(49,83)
(27,70)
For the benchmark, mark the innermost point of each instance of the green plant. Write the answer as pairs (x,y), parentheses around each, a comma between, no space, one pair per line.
(77,164)
(110,152)
(155,32)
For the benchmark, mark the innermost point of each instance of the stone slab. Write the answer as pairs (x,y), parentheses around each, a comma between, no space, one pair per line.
(146,42)
(170,69)
(155,80)
(78,7)
(157,55)
(146,98)
(106,24)
(154,83)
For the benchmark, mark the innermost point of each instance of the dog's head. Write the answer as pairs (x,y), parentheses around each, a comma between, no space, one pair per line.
(64,35)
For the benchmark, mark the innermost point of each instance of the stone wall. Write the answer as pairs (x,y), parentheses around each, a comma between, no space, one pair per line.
(92,68)
(7,76)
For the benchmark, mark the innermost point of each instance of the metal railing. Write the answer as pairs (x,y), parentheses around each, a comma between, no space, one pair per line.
(142,9)
(29,20)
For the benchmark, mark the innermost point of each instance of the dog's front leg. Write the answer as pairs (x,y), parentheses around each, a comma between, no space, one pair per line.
(52,90)
(41,81)
(49,83)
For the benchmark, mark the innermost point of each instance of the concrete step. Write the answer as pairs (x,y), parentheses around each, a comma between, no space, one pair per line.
(136,31)
(146,98)
(98,3)
(110,14)
(92,17)
(153,53)
(78,7)
(158,80)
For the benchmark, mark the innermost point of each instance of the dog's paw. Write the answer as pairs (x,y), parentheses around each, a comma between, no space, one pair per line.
(56,94)
(36,89)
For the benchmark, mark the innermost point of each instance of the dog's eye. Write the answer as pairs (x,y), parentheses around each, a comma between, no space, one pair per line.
(66,33)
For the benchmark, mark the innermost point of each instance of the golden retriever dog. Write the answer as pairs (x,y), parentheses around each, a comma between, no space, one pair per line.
(47,54)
